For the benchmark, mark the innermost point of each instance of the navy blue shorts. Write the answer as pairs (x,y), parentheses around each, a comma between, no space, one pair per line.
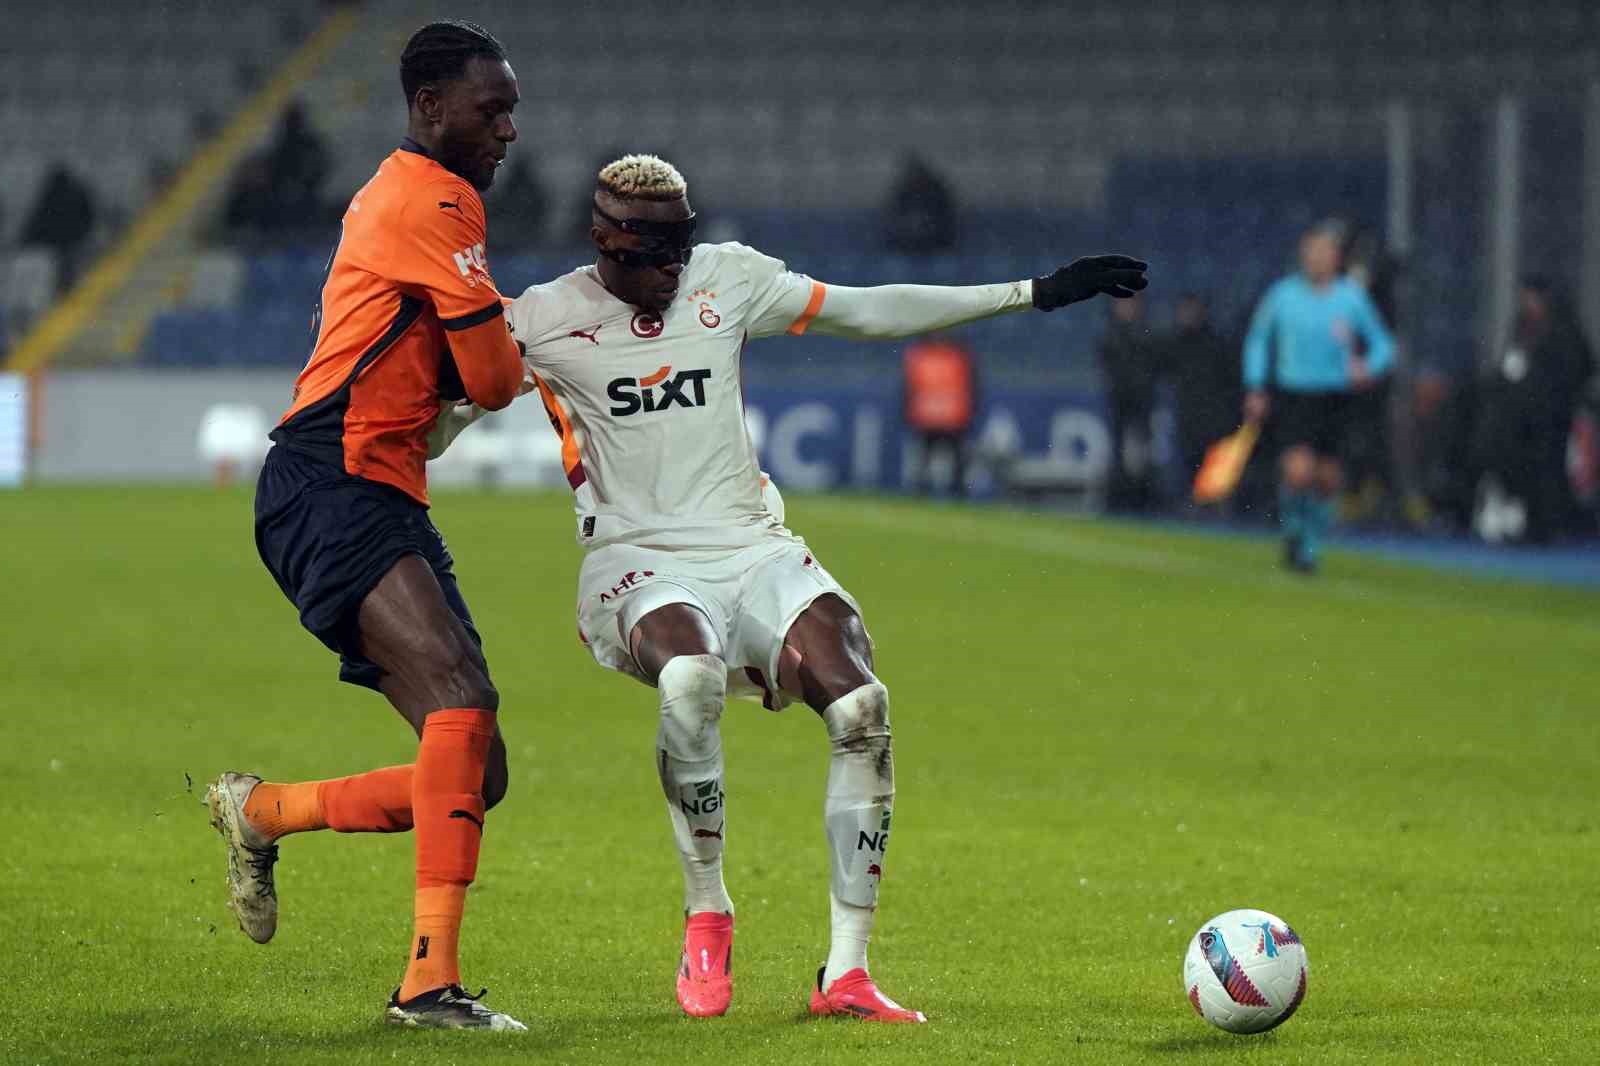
(1317,420)
(329,537)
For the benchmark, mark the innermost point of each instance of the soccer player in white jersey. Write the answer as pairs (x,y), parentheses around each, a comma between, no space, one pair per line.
(690,581)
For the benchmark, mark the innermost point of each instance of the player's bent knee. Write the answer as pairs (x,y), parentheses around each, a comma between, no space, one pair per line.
(1298,467)
(863,750)
(860,719)
(459,680)
(693,691)
(496,779)
(473,690)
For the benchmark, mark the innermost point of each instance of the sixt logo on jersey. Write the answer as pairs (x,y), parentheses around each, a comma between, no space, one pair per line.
(632,395)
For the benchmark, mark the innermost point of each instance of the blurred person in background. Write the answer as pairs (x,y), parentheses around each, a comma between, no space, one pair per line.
(1368,456)
(247,205)
(277,192)
(63,220)
(941,401)
(1130,359)
(1205,373)
(920,216)
(1526,405)
(1315,339)
(297,165)
(1441,408)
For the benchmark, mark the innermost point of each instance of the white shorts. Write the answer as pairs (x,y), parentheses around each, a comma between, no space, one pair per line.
(751,595)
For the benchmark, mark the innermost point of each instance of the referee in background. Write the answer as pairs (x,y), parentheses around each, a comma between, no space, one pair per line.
(1305,330)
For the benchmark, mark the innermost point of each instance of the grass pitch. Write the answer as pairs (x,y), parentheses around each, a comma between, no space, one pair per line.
(1105,736)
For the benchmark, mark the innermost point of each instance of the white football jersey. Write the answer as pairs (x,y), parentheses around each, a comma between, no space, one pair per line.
(650,409)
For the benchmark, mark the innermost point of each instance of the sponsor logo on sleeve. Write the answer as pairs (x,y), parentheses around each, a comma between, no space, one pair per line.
(472,263)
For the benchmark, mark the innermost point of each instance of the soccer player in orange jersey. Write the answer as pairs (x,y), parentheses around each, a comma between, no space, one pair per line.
(690,581)
(409,319)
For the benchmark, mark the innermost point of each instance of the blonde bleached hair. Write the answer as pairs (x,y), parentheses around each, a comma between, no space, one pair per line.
(642,177)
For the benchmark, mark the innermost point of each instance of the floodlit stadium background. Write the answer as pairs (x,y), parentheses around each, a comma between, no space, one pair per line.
(1459,142)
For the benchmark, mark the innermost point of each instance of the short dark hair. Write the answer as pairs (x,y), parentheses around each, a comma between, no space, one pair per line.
(440,50)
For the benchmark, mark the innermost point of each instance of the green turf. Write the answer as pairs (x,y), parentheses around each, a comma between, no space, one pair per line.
(1105,735)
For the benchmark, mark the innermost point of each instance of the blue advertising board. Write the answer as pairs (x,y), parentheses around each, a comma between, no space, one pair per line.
(813,439)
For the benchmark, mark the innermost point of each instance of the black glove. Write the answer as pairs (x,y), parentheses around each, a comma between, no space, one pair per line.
(1115,275)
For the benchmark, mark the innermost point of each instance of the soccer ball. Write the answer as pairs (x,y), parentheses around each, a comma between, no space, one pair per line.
(1245,971)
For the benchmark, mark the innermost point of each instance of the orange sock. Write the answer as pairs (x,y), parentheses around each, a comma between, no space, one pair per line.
(378,801)
(435,961)
(375,802)
(278,810)
(447,809)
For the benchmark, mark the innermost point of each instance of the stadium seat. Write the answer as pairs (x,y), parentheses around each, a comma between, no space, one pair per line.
(216,280)
(31,278)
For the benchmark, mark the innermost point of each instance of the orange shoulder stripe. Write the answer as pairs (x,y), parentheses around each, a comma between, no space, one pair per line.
(819,292)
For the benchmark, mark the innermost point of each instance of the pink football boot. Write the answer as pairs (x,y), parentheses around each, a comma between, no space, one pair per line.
(854,995)
(705,976)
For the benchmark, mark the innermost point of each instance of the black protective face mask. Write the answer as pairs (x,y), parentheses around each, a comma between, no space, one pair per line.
(666,243)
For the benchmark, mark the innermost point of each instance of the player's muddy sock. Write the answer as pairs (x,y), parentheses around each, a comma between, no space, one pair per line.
(1319,513)
(447,805)
(276,810)
(374,802)
(689,759)
(856,814)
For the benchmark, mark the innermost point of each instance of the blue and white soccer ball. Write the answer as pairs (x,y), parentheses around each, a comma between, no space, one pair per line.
(1245,971)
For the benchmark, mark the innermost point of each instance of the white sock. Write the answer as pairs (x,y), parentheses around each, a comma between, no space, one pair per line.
(856,815)
(852,930)
(689,760)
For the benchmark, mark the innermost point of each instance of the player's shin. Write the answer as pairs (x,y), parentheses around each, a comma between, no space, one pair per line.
(378,801)
(857,812)
(689,760)
(1291,511)
(447,805)
(1319,517)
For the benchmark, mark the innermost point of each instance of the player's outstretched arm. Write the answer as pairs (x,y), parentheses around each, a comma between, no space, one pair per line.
(889,312)
(1119,276)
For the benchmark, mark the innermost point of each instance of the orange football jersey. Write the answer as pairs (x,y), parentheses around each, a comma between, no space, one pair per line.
(409,318)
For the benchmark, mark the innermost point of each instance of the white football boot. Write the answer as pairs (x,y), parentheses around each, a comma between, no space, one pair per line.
(452,1007)
(251,894)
